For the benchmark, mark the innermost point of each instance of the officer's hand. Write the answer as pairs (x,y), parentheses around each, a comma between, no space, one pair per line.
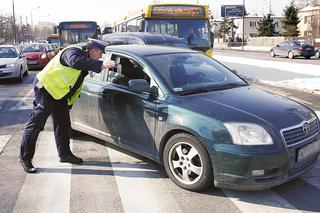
(108,64)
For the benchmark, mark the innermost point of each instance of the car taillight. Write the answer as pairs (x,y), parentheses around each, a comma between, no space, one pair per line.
(43,56)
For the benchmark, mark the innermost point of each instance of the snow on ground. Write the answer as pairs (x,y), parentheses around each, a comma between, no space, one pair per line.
(306,84)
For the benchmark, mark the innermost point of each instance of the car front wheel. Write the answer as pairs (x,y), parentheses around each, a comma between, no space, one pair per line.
(290,55)
(187,162)
(317,54)
(272,53)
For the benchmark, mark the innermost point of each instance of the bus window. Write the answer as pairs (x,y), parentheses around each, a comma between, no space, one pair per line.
(123,28)
(132,26)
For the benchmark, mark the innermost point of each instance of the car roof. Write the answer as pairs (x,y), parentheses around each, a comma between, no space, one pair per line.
(7,45)
(141,35)
(144,50)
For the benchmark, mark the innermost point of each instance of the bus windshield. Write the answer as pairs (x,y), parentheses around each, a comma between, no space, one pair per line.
(194,32)
(74,32)
(76,36)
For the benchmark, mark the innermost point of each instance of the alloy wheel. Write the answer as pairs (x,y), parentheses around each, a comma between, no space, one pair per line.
(185,163)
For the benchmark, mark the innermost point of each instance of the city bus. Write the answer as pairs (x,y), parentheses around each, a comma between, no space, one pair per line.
(53,39)
(73,32)
(187,21)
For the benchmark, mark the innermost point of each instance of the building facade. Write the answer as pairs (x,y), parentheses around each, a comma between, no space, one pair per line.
(309,25)
(250,26)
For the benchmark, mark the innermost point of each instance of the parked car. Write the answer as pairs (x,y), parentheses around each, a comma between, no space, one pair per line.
(293,49)
(13,63)
(200,120)
(124,38)
(38,55)
(317,53)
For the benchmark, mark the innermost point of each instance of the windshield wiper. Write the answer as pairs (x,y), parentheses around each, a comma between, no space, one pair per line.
(228,86)
(194,91)
(212,88)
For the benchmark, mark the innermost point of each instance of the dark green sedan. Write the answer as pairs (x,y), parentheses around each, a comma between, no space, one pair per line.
(200,120)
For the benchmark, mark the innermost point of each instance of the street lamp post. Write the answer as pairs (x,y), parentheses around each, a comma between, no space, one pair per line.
(14,24)
(32,30)
(243,14)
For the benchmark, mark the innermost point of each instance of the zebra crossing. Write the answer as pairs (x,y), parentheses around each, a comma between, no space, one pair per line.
(112,181)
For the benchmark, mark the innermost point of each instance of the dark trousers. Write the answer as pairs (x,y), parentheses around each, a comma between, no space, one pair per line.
(44,106)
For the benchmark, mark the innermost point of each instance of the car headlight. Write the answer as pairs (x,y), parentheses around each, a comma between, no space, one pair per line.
(248,134)
(13,65)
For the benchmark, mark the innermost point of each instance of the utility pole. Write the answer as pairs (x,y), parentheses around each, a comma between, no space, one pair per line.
(14,24)
(243,14)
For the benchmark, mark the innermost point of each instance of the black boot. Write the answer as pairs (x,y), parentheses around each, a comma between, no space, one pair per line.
(27,166)
(71,158)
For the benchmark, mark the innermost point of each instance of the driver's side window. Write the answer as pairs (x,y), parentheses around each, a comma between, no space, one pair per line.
(125,70)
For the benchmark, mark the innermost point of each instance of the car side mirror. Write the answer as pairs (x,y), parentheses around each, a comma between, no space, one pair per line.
(22,56)
(139,86)
(277,45)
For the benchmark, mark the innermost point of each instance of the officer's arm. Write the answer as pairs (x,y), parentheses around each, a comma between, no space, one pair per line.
(77,59)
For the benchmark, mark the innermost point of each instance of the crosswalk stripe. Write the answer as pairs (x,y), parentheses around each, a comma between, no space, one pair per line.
(312,177)
(3,141)
(48,190)
(20,105)
(141,189)
(260,202)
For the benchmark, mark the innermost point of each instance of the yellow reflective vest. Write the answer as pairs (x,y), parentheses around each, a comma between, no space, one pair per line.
(58,79)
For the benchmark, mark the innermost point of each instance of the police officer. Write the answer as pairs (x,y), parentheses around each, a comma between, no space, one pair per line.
(56,88)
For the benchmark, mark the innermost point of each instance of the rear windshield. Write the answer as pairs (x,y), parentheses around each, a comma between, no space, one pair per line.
(8,52)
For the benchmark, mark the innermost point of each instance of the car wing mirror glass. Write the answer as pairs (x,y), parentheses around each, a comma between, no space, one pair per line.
(139,86)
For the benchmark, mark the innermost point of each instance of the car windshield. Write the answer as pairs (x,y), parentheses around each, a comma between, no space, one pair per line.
(187,73)
(33,48)
(194,32)
(7,52)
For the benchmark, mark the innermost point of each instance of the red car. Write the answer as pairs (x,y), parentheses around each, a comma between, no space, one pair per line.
(38,55)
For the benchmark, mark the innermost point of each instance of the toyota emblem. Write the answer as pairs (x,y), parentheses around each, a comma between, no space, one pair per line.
(306,128)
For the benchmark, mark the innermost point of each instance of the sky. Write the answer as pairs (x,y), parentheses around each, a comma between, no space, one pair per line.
(107,11)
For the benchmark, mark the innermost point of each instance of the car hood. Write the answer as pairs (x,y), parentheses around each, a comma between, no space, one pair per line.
(31,55)
(248,104)
(7,60)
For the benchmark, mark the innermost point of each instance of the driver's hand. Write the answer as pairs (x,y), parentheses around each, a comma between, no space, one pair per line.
(108,64)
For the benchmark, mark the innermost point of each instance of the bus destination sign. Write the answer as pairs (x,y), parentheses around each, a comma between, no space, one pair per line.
(177,11)
(78,26)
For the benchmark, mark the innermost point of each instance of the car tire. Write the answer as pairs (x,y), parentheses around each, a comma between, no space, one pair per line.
(20,78)
(290,55)
(26,72)
(187,162)
(317,54)
(272,53)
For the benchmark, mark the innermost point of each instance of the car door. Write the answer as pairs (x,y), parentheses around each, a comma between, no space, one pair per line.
(85,110)
(126,118)
(279,48)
